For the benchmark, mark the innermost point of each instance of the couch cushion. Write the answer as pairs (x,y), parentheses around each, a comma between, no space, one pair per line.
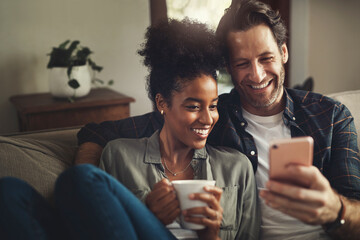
(38,158)
(351,99)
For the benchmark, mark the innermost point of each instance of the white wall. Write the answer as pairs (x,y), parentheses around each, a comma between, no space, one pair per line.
(325,44)
(113,29)
(334,48)
(299,41)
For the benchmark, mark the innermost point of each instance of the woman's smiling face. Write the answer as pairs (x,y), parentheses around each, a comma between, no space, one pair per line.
(193,113)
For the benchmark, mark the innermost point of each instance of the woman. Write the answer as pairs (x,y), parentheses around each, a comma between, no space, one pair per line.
(182,58)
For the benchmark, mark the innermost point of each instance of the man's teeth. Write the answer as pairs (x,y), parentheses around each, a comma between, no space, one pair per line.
(201,131)
(260,86)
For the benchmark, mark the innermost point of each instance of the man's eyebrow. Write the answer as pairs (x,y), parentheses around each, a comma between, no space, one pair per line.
(260,55)
(190,99)
(265,53)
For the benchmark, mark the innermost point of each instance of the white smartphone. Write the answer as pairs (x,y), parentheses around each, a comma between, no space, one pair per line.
(282,152)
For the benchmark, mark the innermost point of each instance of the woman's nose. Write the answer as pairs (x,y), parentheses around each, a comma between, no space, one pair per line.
(206,117)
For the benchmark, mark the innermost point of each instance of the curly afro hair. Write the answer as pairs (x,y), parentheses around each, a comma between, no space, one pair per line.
(177,52)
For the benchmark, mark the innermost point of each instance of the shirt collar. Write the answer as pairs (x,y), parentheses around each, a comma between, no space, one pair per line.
(153,156)
(235,103)
(289,106)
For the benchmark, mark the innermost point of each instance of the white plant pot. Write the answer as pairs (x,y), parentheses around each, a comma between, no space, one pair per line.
(59,81)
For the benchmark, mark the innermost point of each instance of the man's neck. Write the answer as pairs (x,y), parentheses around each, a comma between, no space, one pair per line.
(273,109)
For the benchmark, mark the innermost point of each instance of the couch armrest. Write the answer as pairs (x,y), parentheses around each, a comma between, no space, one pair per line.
(38,157)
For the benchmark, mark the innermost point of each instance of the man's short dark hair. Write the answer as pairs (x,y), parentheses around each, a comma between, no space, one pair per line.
(245,14)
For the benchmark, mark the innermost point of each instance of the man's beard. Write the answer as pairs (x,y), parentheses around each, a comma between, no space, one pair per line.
(274,94)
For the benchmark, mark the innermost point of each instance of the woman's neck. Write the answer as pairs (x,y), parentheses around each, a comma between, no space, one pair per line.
(176,157)
(172,150)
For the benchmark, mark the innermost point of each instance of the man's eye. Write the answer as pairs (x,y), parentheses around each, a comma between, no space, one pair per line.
(241,65)
(267,59)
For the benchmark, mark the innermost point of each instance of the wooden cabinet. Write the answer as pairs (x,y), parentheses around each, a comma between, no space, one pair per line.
(43,111)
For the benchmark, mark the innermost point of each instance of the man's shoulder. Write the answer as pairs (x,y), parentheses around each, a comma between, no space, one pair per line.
(143,119)
(228,98)
(307,97)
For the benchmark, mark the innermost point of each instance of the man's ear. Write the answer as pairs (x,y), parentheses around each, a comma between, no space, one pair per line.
(284,53)
(160,102)
(228,68)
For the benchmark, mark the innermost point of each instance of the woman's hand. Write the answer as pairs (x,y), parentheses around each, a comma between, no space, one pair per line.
(213,213)
(162,202)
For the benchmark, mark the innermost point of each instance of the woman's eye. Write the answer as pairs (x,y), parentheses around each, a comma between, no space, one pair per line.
(213,107)
(192,107)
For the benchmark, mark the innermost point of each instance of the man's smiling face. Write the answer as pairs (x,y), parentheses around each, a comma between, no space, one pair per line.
(256,68)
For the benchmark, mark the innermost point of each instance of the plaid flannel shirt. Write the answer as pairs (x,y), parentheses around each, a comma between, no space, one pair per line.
(329,122)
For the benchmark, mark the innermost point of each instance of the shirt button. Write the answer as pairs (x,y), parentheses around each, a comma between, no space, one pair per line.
(242,124)
(252,153)
(294,118)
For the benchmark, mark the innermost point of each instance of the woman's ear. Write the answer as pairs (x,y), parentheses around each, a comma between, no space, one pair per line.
(160,103)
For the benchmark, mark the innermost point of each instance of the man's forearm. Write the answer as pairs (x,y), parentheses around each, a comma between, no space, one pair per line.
(88,153)
(351,228)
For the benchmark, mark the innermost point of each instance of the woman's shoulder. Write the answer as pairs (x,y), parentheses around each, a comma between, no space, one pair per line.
(126,144)
(123,151)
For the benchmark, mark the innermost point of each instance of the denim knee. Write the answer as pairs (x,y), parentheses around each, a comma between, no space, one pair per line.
(13,190)
(75,178)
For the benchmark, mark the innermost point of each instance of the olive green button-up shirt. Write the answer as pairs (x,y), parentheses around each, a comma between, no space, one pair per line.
(136,163)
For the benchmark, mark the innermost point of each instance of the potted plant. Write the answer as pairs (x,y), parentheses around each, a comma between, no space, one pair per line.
(69,70)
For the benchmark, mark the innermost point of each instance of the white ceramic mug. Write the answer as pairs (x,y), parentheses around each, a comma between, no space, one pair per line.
(185,187)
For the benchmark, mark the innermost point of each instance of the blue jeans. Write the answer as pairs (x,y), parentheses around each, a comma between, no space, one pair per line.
(25,214)
(93,205)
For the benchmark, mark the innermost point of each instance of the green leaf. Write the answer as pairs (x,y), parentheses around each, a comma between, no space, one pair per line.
(73,83)
(58,58)
(63,45)
(111,82)
(73,45)
(94,66)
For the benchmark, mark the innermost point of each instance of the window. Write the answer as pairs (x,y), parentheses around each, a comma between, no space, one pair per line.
(205,11)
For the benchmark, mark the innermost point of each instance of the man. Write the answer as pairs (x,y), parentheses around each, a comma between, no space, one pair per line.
(260,109)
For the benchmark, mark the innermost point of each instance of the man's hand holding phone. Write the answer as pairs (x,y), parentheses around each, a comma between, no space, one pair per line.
(296,187)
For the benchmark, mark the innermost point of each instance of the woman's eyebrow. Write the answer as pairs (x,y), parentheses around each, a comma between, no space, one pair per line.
(191,99)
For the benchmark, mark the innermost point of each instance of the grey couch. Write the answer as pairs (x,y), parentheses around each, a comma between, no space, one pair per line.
(38,158)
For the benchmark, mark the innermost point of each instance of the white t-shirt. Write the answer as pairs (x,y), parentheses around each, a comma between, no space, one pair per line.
(275,225)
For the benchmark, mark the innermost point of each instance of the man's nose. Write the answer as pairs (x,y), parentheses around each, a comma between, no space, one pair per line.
(257,72)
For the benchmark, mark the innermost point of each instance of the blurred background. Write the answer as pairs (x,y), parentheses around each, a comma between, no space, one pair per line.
(323,40)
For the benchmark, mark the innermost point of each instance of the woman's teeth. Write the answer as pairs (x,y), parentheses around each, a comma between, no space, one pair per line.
(201,131)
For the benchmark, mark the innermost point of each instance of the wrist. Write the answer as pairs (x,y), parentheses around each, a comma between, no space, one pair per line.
(339,221)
